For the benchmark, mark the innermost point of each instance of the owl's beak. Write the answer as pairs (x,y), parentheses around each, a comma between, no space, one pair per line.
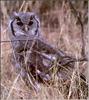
(26,28)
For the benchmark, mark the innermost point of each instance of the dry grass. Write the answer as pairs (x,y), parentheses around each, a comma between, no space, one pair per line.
(67,36)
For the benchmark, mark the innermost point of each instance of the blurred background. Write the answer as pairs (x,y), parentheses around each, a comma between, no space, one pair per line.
(63,24)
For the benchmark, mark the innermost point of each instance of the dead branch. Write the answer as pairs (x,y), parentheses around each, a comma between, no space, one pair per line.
(78,15)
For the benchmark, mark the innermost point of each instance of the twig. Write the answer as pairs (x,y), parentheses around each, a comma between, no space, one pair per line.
(77,14)
(12,86)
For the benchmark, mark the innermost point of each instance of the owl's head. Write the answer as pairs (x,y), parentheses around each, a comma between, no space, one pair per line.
(24,24)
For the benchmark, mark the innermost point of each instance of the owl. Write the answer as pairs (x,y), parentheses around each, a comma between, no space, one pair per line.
(24,24)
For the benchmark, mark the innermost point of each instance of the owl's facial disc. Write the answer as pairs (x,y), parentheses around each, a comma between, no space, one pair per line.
(26,23)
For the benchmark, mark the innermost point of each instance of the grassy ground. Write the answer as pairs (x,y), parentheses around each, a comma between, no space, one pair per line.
(60,27)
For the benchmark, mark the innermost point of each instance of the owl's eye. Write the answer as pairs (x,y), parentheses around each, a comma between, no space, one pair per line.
(19,23)
(30,23)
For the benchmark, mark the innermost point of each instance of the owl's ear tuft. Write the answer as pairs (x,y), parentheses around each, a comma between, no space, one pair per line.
(14,15)
(32,17)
